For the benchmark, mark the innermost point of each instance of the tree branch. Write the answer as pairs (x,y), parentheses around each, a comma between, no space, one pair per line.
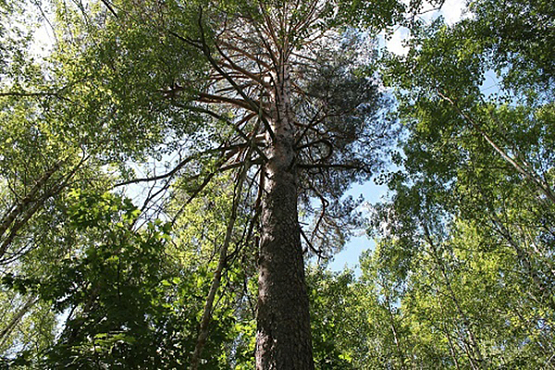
(255,107)
(544,187)
(180,165)
(345,166)
(210,98)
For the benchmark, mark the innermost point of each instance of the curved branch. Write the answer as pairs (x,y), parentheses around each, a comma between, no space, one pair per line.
(237,68)
(233,125)
(180,165)
(245,54)
(210,98)
(253,105)
(345,166)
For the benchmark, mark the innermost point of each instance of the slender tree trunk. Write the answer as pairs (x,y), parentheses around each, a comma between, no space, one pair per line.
(394,330)
(15,320)
(283,338)
(216,280)
(471,344)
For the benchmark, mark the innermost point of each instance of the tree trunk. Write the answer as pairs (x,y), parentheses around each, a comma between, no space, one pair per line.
(283,339)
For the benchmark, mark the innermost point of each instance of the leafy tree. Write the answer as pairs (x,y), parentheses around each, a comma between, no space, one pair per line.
(468,231)
(38,164)
(338,327)
(126,302)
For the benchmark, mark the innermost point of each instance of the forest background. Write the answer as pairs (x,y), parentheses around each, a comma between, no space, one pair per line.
(167,166)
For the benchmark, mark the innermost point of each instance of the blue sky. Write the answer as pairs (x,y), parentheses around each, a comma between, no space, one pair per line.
(349,256)
(452,11)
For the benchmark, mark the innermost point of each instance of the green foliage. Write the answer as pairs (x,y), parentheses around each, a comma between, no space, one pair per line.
(520,37)
(462,276)
(119,71)
(465,254)
(126,303)
(336,322)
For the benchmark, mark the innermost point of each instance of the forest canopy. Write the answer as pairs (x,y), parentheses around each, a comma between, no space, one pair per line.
(175,178)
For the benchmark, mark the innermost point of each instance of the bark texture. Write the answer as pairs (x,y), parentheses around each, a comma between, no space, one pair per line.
(283,334)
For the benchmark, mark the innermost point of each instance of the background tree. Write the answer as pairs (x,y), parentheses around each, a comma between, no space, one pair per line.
(469,227)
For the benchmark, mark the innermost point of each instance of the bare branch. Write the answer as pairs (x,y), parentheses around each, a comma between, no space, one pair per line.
(255,107)
(179,166)
(209,98)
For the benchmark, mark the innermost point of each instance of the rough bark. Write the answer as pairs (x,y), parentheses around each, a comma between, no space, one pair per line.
(283,336)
